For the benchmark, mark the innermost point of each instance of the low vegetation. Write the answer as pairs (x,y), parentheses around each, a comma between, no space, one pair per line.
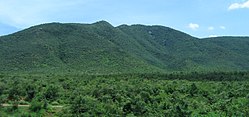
(176,94)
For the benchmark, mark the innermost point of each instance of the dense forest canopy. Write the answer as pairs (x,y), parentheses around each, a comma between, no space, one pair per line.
(100,48)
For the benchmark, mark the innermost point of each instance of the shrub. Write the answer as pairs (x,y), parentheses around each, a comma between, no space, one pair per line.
(36,106)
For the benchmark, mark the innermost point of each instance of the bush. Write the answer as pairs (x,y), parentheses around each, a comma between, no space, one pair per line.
(85,105)
(36,106)
(52,93)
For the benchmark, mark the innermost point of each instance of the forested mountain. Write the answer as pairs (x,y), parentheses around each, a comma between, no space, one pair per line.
(97,69)
(101,48)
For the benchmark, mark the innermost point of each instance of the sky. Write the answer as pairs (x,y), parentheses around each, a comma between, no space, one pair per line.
(199,18)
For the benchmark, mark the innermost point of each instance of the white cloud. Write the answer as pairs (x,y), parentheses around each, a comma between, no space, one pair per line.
(211,28)
(222,27)
(239,5)
(193,26)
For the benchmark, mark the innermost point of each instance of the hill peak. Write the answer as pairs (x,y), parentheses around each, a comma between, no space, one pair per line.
(102,23)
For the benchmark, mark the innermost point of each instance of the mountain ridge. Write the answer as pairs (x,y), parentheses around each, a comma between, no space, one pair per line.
(103,48)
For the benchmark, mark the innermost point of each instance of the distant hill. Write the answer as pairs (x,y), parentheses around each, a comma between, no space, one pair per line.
(100,48)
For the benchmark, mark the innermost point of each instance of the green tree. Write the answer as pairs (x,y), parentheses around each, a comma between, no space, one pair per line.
(85,105)
(52,93)
(193,89)
(36,105)
(31,91)
(15,94)
(2,88)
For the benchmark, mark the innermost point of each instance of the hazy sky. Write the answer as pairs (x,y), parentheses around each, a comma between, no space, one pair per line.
(201,18)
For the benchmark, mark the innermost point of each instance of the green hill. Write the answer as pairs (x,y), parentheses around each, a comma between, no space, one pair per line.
(100,48)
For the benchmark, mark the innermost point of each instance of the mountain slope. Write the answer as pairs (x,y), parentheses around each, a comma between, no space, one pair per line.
(102,48)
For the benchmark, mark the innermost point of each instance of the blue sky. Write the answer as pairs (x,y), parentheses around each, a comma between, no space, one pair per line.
(200,18)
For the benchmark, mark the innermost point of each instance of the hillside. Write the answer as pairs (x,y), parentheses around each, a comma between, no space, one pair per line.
(100,48)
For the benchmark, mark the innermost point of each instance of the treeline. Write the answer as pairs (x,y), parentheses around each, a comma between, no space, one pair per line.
(191,76)
(175,95)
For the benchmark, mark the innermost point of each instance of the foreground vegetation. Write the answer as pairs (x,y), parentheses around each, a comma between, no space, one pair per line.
(176,95)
